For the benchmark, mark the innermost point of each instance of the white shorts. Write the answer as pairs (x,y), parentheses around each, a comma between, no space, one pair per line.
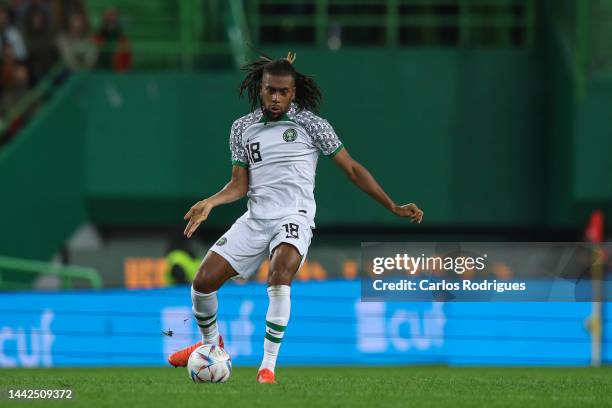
(249,241)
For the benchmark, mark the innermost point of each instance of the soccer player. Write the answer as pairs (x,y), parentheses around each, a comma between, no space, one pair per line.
(274,156)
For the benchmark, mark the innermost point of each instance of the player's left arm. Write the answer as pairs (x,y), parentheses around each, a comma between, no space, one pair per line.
(362,178)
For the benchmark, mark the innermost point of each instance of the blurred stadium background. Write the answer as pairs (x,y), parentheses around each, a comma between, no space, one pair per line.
(492,115)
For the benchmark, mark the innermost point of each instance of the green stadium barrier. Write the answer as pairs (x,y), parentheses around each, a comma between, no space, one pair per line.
(42,178)
(407,116)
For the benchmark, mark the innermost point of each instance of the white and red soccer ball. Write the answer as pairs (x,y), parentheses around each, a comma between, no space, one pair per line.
(209,363)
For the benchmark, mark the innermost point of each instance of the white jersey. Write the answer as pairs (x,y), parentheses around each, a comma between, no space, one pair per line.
(282,158)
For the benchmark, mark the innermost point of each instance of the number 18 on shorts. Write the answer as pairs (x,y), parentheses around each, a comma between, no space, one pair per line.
(249,241)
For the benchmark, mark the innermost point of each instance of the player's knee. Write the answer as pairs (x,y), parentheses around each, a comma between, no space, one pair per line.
(203,281)
(281,275)
(284,266)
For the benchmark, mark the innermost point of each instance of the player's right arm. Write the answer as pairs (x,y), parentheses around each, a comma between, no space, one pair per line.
(234,190)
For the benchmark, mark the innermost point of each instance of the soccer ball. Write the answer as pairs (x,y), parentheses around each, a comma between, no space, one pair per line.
(209,363)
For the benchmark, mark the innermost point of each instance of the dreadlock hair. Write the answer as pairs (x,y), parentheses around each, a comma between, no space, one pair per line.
(307,93)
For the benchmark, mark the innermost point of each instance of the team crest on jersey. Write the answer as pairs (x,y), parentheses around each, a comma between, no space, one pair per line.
(222,241)
(290,135)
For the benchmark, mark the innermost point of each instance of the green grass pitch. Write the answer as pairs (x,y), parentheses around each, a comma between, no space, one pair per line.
(415,386)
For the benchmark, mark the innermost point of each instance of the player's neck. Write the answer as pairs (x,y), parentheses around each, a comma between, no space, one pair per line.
(268,117)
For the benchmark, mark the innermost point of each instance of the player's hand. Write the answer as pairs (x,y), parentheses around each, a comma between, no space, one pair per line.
(409,211)
(196,215)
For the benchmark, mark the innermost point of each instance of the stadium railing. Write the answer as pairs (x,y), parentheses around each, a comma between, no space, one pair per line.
(585,32)
(201,33)
(472,22)
(166,33)
(16,274)
(178,35)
